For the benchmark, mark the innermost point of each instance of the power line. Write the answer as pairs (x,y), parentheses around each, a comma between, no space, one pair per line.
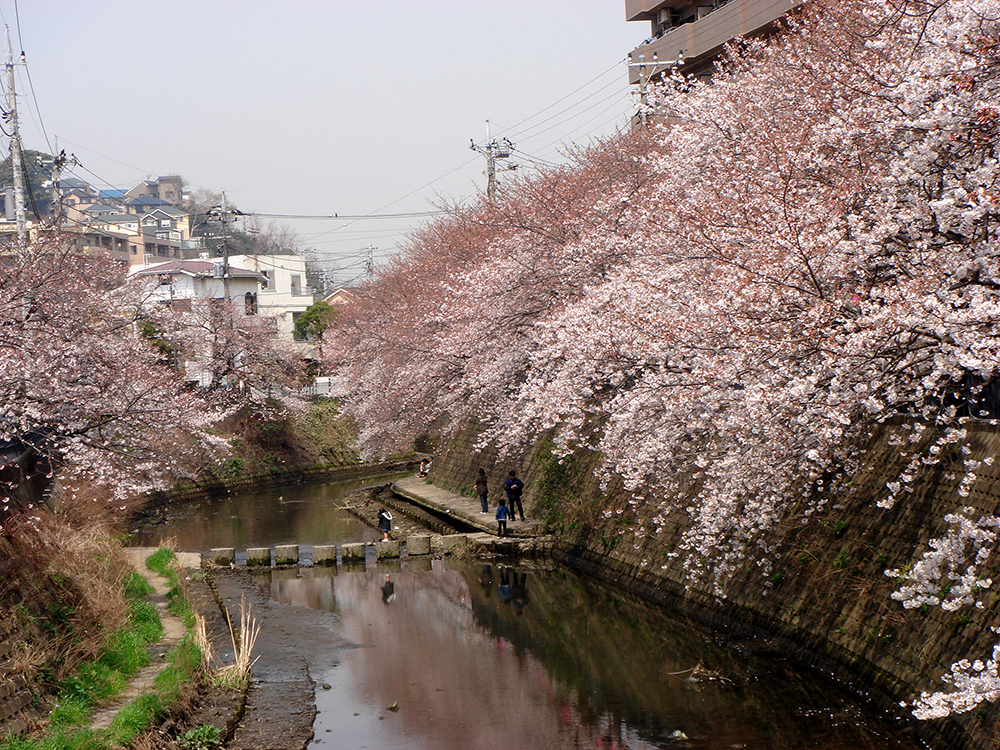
(571,93)
(352,217)
(528,132)
(17,19)
(130,166)
(31,88)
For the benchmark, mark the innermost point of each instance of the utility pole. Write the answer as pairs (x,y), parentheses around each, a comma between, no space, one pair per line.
(59,163)
(370,261)
(225,249)
(255,234)
(16,157)
(645,76)
(493,150)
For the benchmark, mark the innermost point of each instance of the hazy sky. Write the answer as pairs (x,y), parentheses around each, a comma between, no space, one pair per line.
(351,107)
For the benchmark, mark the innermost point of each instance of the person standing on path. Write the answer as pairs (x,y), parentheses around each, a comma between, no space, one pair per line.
(514,487)
(502,515)
(384,523)
(482,490)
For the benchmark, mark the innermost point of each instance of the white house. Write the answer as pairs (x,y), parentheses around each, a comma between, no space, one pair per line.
(284,294)
(182,281)
(189,279)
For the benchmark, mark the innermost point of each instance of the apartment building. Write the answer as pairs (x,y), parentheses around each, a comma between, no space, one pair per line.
(691,34)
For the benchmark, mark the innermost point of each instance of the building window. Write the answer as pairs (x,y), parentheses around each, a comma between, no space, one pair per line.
(296,284)
(250,302)
(267,280)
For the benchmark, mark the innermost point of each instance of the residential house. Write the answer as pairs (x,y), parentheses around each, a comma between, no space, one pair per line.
(340,297)
(112,195)
(91,241)
(143,204)
(146,244)
(284,294)
(168,188)
(167,222)
(77,198)
(184,280)
(180,282)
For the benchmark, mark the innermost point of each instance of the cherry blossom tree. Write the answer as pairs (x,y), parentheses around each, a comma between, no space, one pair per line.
(448,326)
(234,357)
(734,300)
(82,393)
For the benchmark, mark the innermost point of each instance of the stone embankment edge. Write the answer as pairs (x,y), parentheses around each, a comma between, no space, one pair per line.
(758,634)
(826,603)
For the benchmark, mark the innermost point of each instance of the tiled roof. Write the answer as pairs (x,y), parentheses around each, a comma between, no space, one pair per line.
(194,268)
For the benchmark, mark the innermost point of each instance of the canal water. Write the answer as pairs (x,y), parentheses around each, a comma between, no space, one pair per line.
(465,654)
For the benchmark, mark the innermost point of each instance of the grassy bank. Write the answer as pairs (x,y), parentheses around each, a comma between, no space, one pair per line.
(99,681)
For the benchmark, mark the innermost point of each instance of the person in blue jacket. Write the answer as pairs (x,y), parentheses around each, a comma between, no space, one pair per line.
(514,487)
(502,515)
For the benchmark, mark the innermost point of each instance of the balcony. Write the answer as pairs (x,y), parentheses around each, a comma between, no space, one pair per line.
(700,40)
(645,10)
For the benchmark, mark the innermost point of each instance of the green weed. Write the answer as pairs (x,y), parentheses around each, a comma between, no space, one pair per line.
(204,737)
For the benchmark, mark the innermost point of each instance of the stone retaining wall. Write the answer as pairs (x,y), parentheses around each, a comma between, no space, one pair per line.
(826,599)
(19,702)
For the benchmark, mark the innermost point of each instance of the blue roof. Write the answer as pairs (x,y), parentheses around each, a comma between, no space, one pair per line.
(148,200)
(104,194)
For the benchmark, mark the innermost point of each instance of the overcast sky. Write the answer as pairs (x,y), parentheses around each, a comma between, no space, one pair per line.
(352,107)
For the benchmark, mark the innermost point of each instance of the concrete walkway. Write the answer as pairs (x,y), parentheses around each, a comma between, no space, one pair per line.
(420,491)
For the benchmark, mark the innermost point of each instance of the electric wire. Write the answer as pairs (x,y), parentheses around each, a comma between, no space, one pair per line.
(528,134)
(17,19)
(38,112)
(571,93)
(614,95)
(130,166)
(599,114)
(336,217)
(321,238)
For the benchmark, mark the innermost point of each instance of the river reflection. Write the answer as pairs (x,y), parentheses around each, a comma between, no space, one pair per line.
(291,514)
(467,656)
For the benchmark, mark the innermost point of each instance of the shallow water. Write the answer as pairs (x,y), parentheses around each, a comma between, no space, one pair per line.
(518,656)
(292,514)
(489,656)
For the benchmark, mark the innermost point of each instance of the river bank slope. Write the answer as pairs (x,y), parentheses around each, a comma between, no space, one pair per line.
(823,597)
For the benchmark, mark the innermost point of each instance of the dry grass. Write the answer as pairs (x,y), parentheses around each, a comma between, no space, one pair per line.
(202,641)
(60,590)
(244,639)
(24,658)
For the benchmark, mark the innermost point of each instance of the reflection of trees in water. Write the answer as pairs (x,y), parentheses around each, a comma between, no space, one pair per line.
(625,661)
(294,514)
(453,681)
(582,666)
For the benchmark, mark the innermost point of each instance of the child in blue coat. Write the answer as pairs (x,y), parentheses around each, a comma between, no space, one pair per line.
(502,515)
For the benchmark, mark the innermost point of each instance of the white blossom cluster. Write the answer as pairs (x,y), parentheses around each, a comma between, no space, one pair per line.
(945,576)
(974,682)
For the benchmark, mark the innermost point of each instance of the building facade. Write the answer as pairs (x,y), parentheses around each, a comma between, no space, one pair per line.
(284,293)
(691,34)
(185,280)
